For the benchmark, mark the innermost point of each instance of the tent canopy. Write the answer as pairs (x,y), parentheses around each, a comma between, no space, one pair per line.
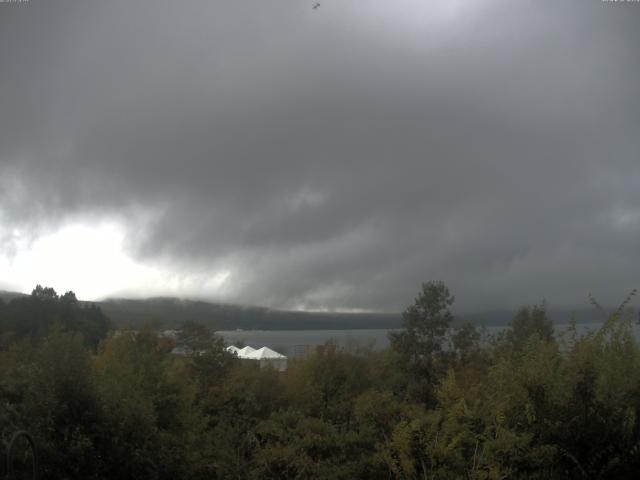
(244,352)
(264,353)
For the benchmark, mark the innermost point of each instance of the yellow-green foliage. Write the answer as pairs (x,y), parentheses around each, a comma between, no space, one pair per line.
(525,405)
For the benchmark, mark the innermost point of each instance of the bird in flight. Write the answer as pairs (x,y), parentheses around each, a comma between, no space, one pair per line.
(316,6)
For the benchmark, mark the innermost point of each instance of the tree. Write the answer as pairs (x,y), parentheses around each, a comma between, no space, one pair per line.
(44,293)
(466,341)
(529,321)
(51,389)
(294,446)
(419,345)
(147,414)
(208,361)
(426,321)
(329,381)
(33,317)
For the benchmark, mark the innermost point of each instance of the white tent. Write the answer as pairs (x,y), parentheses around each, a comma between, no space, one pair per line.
(232,349)
(268,357)
(244,352)
(265,352)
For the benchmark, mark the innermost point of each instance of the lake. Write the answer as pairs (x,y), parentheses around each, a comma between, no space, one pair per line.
(298,342)
(291,342)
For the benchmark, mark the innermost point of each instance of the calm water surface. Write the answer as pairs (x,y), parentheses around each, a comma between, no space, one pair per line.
(289,342)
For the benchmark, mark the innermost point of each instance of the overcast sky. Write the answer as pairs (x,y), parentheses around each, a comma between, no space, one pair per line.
(263,152)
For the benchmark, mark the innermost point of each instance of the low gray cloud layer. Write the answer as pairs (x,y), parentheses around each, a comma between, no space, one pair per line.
(336,158)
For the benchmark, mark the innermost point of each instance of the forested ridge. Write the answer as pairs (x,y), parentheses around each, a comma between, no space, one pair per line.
(441,402)
(171,312)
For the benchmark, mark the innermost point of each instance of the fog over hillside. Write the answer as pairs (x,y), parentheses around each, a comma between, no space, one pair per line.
(168,312)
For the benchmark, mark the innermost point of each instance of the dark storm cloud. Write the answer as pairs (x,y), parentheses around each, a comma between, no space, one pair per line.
(336,157)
